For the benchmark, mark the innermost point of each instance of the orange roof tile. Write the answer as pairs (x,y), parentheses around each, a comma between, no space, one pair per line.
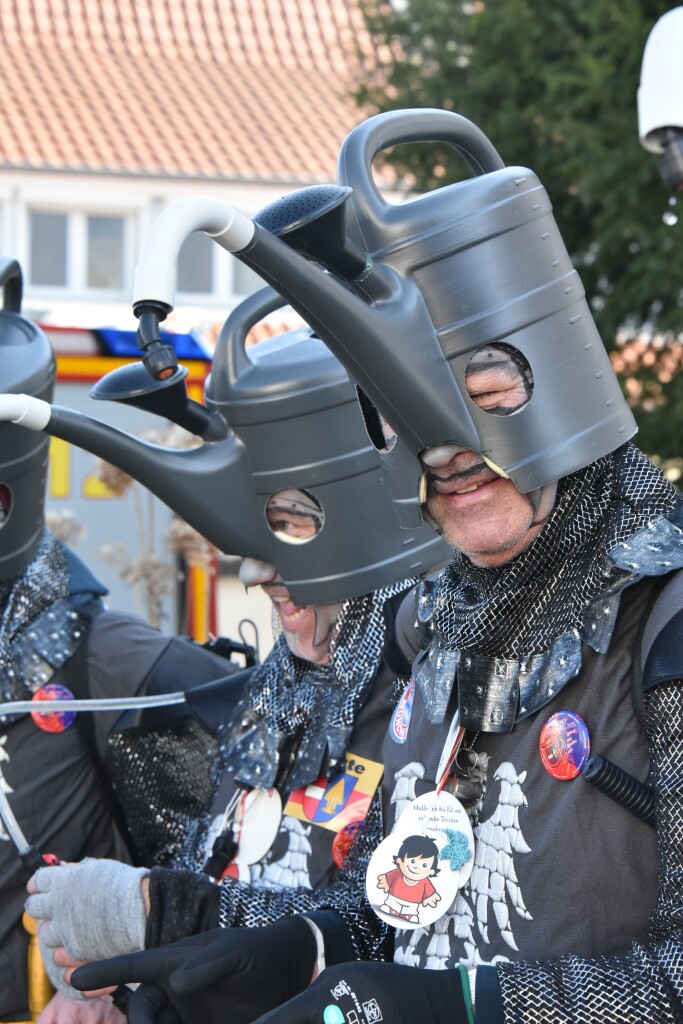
(254,90)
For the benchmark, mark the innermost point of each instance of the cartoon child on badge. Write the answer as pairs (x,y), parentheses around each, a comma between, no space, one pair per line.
(408,886)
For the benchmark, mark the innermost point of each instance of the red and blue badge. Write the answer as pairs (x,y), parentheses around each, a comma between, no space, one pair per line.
(53,721)
(564,745)
(400,722)
(344,840)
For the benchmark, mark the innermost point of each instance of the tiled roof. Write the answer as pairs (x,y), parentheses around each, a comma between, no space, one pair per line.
(253,90)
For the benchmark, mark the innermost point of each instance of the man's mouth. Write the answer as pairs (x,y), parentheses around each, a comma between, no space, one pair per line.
(463,482)
(287,610)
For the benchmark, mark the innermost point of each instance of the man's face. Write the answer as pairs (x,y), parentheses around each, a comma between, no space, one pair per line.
(479,512)
(295,517)
(307,629)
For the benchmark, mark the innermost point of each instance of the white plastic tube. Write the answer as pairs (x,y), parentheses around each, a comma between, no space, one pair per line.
(25,410)
(155,274)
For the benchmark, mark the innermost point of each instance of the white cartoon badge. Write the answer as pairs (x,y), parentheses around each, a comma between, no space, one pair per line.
(414,874)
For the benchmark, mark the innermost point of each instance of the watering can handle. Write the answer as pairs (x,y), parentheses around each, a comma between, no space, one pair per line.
(233,336)
(11,282)
(380,132)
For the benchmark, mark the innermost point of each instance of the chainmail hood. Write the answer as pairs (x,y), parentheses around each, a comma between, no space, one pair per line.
(513,633)
(39,630)
(296,718)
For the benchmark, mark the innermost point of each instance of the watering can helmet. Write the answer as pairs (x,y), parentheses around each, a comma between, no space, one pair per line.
(28,366)
(286,474)
(413,292)
(323,511)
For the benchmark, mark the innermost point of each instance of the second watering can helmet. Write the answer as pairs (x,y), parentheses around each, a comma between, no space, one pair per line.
(28,366)
(431,282)
(323,513)
(286,474)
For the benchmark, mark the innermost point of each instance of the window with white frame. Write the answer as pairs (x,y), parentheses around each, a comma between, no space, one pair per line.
(48,233)
(78,251)
(196,265)
(105,252)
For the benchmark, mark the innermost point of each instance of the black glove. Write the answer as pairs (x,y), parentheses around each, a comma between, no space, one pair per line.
(370,992)
(243,971)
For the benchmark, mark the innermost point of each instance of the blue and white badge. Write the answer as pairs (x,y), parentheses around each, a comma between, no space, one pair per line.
(400,722)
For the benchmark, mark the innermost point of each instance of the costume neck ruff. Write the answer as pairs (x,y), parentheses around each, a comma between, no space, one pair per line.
(514,633)
(296,718)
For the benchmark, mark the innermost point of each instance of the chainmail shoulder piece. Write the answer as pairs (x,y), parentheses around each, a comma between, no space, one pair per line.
(39,627)
(296,718)
(241,904)
(514,633)
(646,982)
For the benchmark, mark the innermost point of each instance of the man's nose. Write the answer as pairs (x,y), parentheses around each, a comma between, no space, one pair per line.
(440,455)
(254,573)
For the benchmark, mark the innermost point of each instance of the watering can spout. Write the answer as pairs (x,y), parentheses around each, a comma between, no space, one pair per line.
(197,484)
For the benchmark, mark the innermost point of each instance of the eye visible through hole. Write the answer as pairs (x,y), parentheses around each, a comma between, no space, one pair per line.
(499,379)
(5,504)
(295,516)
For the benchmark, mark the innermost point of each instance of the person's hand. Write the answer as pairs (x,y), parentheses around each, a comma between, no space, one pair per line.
(62,1010)
(372,992)
(382,883)
(92,909)
(243,972)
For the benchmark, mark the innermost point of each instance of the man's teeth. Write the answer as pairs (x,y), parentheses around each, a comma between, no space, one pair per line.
(466,490)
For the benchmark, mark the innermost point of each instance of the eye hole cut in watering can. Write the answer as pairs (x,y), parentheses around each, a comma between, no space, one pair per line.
(283,444)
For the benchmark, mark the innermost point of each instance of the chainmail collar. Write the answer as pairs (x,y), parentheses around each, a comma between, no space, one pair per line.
(295,720)
(513,634)
(24,598)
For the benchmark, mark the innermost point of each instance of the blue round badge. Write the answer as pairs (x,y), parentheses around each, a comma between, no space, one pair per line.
(333,1015)
(564,745)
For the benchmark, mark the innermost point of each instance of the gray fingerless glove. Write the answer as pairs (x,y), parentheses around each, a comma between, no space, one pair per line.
(94,909)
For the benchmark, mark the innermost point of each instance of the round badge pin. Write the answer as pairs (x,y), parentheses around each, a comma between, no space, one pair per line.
(415,873)
(240,872)
(257,822)
(564,745)
(400,721)
(343,841)
(53,721)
